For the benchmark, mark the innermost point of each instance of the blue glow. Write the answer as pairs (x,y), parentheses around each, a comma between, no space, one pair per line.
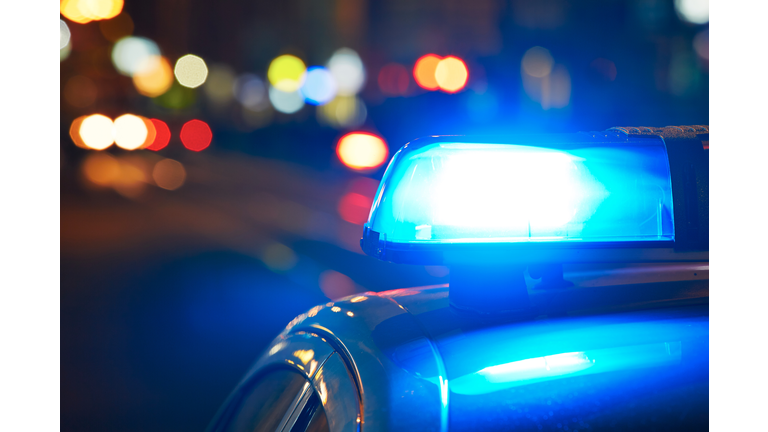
(319,86)
(457,192)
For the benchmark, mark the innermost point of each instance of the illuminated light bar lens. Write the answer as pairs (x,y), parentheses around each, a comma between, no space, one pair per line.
(572,192)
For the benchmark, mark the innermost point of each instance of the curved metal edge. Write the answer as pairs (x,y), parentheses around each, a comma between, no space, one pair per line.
(338,394)
(286,351)
(392,397)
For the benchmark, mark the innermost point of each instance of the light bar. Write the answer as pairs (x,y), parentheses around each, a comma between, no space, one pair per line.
(581,190)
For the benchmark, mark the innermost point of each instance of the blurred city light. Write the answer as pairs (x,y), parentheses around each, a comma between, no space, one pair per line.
(177,97)
(117,28)
(63,34)
(451,74)
(151,132)
(550,91)
(394,79)
(347,70)
(155,81)
(250,91)
(286,102)
(701,44)
(130,132)
(319,86)
(169,174)
(286,73)
(132,55)
(74,132)
(218,86)
(80,91)
(196,135)
(162,135)
(537,62)
(354,207)
(279,257)
(343,112)
(336,285)
(64,52)
(362,150)
(85,11)
(101,169)
(424,71)
(190,71)
(693,11)
(97,132)
(604,68)
(133,177)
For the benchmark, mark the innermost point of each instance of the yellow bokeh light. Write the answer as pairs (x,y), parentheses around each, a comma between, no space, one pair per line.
(286,73)
(130,132)
(155,81)
(85,11)
(191,71)
(169,174)
(451,74)
(362,151)
(96,132)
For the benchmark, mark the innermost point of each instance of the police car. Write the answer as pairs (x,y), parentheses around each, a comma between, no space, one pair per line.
(578,295)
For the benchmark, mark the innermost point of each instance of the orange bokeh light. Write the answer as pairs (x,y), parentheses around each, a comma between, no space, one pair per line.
(162,135)
(155,81)
(424,71)
(74,132)
(362,150)
(451,74)
(85,11)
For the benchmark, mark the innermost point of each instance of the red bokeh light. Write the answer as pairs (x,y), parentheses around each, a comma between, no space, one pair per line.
(163,136)
(394,79)
(354,207)
(196,135)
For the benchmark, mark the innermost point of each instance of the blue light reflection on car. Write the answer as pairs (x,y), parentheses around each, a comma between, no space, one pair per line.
(488,192)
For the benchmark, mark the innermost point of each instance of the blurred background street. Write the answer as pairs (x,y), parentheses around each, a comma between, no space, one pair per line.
(219,158)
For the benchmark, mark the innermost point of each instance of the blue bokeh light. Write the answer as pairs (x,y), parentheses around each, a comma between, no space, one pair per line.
(319,86)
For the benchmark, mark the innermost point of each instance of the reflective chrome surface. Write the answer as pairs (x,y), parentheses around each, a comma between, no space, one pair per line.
(623,348)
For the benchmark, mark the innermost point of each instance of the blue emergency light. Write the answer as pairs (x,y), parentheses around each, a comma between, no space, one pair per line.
(607,196)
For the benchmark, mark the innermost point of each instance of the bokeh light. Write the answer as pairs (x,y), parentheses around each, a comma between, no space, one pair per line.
(693,11)
(85,11)
(64,52)
(117,28)
(63,34)
(286,73)
(424,71)
(155,81)
(169,174)
(537,62)
(279,257)
(132,55)
(336,285)
(196,135)
(604,68)
(347,70)
(177,97)
(74,132)
(162,135)
(550,91)
(101,169)
(190,71)
(394,79)
(362,150)
(701,44)
(151,132)
(319,86)
(218,87)
(130,132)
(80,91)
(354,207)
(250,91)
(343,112)
(286,102)
(451,74)
(97,132)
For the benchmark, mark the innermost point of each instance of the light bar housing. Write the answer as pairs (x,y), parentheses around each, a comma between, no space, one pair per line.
(626,194)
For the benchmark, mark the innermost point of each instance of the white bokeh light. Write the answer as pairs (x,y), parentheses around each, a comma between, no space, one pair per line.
(63,34)
(348,71)
(693,11)
(286,102)
(132,55)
